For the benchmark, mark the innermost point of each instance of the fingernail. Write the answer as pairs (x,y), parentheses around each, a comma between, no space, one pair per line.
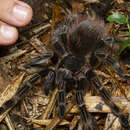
(7,34)
(21,13)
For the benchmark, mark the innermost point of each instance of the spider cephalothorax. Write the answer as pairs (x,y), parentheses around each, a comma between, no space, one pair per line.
(85,37)
(77,45)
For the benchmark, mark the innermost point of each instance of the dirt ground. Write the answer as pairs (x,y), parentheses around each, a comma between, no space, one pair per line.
(35,110)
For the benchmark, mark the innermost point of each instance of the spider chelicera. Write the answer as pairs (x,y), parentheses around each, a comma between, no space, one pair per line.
(78,50)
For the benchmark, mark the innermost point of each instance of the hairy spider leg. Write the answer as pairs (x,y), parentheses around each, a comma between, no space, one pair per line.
(107,98)
(61,98)
(88,120)
(21,92)
(49,82)
(43,60)
(101,56)
(59,39)
(62,77)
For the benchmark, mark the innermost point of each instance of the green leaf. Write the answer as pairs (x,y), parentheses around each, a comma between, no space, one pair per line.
(118,18)
(128,25)
(123,46)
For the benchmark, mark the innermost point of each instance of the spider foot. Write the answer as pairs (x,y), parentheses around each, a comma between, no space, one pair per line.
(49,82)
(88,120)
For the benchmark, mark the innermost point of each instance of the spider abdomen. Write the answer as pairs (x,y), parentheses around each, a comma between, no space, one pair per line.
(85,37)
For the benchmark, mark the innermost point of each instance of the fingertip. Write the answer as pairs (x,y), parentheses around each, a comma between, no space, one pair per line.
(22,13)
(8,35)
(15,13)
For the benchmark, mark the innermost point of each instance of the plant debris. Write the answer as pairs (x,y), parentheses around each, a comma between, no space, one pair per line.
(35,109)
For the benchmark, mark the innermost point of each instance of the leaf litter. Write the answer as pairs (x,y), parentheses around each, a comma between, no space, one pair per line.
(39,111)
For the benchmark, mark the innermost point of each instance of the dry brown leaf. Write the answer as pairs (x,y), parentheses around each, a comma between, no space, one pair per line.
(9,92)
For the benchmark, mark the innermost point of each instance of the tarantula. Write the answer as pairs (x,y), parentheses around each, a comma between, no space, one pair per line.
(78,45)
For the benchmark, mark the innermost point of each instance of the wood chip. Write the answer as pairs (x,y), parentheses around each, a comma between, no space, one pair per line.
(96,104)
(112,123)
(50,106)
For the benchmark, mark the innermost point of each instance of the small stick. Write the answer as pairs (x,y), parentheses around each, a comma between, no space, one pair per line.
(9,123)
(50,106)
(57,120)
